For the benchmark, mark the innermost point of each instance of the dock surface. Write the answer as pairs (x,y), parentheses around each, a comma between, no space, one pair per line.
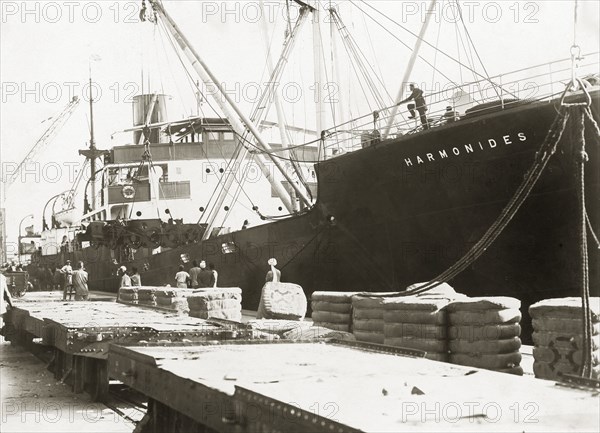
(336,387)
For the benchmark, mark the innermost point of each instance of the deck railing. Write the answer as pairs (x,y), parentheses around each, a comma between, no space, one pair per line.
(543,82)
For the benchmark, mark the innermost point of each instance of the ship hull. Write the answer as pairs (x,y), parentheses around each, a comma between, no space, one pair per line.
(404,210)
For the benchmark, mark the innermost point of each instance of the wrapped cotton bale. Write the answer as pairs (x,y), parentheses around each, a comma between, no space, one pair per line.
(559,343)
(332,310)
(484,333)
(367,318)
(128,295)
(146,295)
(285,301)
(221,303)
(172,299)
(417,322)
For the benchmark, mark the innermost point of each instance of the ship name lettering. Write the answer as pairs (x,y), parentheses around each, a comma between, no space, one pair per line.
(469,148)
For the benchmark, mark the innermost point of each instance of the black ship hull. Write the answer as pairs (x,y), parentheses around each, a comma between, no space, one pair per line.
(404,210)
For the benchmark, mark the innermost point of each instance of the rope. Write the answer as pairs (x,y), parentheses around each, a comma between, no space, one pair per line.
(547,149)
(581,157)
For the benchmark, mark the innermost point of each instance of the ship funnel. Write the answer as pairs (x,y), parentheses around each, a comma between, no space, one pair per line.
(150,109)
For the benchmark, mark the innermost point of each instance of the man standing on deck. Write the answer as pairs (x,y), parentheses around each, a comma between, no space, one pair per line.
(421,107)
(80,280)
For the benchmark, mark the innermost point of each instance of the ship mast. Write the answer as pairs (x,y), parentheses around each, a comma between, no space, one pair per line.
(240,123)
(92,153)
(409,67)
(318,75)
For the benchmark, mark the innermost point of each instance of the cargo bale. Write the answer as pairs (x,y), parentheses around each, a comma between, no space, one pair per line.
(422,331)
(485,317)
(485,332)
(368,336)
(331,307)
(485,303)
(333,297)
(328,317)
(434,346)
(507,345)
(283,301)
(566,308)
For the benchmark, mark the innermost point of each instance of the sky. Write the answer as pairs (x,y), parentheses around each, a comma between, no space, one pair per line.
(48,48)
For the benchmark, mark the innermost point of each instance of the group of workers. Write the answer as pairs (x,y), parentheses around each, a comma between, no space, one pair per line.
(200,276)
(75,281)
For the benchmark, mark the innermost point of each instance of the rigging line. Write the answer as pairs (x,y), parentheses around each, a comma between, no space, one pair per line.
(356,55)
(402,42)
(352,64)
(155,29)
(162,40)
(230,163)
(427,43)
(437,40)
(378,77)
(370,39)
(462,80)
(476,51)
(575,13)
(468,55)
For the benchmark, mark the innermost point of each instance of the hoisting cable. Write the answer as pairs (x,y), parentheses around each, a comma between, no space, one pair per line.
(547,149)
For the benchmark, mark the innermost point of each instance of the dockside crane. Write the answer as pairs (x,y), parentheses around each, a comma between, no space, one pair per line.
(38,146)
(43,141)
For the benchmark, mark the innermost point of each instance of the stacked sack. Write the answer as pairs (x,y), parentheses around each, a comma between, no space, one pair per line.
(558,337)
(172,299)
(367,318)
(146,296)
(332,310)
(221,303)
(128,295)
(484,333)
(417,323)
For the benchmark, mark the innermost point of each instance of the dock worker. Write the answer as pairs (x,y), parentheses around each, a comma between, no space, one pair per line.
(67,275)
(194,273)
(80,283)
(215,274)
(136,279)
(273,276)
(182,278)
(205,277)
(125,279)
(5,306)
(417,96)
